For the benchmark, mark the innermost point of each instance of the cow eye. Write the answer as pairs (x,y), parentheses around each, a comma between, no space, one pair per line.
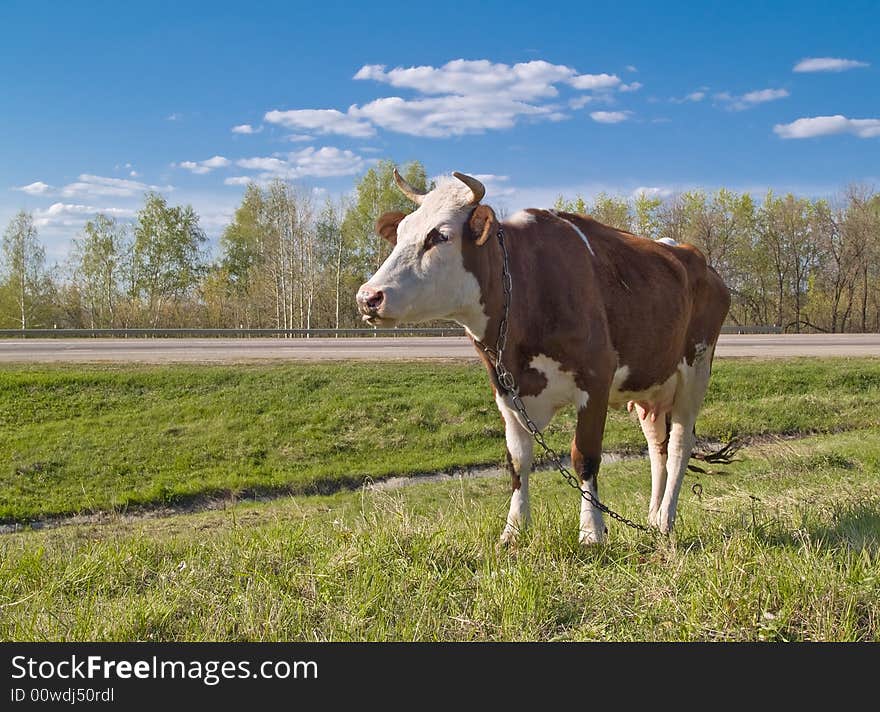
(435,237)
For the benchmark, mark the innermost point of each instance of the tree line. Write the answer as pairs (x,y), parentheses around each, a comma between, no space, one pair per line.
(290,260)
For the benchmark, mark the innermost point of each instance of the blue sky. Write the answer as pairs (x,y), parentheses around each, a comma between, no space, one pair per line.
(102,101)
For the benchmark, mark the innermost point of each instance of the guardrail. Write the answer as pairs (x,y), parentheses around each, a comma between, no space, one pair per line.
(283,333)
(227,333)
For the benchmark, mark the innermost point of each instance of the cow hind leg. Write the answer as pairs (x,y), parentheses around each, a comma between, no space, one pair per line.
(692,384)
(656,431)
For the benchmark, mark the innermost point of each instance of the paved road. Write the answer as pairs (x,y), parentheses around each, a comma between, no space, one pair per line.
(224,350)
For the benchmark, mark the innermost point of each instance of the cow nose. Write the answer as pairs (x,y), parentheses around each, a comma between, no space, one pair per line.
(370,299)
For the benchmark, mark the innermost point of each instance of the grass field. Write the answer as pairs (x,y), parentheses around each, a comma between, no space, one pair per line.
(80,439)
(784,545)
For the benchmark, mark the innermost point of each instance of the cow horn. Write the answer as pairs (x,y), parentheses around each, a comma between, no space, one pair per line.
(477,188)
(414,195)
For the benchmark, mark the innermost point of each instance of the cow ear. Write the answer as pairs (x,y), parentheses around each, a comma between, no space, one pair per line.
(483,223)
(386,226)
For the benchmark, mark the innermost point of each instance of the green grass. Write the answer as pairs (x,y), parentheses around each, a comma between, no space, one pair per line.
(82,439)
(785,546)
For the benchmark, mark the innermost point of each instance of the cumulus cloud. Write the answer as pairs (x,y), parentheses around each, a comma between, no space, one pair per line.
(322,121)
(206,166)
(324,162)
(750,99)
(525,81)
(75,214)
(35,188)
(810,127)
(451,115)
(245,129)
(90,185)
(610,117)
(459,97)
(579,102)
(827,64)
(632,86)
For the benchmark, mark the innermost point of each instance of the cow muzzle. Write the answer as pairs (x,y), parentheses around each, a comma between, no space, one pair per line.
(370,302)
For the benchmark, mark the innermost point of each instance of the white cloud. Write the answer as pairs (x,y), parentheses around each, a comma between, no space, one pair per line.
(652,192)
(694,96)
(90,185)
(245,129)
(298,138)
(133,174)
(610,117)
(35,188)
(206,166)
(451,115)
(827,64)
(324,162)
(810,127)
(579,102)
(74,214)
(238,180)
(174,117)
(323,121)
(525,81)
(632,86)
(631,68)
(752,98)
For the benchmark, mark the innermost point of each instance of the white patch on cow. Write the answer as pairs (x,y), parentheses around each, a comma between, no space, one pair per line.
(419,284)
(592,526)
(521,218)
(577,230)
(660,393)
(667,241)
(561,390)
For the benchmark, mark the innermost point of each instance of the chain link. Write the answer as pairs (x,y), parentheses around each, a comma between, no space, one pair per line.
(508,383)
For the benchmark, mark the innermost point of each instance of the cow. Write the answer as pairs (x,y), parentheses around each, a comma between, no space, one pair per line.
(598,317)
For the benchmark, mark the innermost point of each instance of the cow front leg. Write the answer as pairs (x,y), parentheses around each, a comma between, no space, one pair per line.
(519,462)
(586,456)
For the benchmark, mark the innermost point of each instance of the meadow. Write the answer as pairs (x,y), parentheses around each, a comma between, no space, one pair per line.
(783,544)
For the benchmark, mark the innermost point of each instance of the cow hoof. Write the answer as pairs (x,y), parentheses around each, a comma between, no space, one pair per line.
(665,522)
(591,538)
(508,539)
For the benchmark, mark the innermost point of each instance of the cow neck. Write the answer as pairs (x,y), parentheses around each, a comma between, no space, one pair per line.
(485,263)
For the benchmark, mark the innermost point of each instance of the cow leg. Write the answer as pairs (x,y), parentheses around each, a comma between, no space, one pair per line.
(586,456)
(692,384)
(519,462)
(655,427)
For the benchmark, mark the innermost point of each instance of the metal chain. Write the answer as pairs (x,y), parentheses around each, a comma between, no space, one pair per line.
(508,383)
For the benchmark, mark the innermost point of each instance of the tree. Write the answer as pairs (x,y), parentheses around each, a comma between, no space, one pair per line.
(101,265)
(647,215)
(613,211)
(27,284)
(167,260)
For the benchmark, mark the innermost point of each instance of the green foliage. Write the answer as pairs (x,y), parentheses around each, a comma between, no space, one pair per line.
(167,258)
(101,266)
(26,288)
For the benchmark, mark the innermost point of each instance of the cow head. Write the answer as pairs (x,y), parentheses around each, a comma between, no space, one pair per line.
(425,276)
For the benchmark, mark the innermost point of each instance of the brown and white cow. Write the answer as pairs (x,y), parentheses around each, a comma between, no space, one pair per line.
(598,317)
